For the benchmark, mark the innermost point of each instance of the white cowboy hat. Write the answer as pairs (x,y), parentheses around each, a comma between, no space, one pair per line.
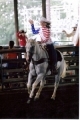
(74,26)
(43,19)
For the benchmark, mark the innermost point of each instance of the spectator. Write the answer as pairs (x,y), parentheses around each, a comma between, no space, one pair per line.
(12,55)
(12,64)
(72,34)
(76,39)
(2,65)
(75,36)
(3,56)
(22,38)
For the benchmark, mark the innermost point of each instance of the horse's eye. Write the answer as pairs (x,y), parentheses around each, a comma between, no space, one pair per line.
(31,44)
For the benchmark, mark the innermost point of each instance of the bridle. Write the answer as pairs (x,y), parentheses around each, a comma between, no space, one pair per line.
(31,52)
(42,60)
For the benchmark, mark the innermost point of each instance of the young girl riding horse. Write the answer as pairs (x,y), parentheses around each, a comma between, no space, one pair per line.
(44,35)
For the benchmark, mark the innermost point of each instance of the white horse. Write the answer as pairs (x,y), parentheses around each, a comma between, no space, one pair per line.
(38,58)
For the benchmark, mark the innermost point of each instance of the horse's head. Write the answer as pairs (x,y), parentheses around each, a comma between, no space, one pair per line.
(30,49)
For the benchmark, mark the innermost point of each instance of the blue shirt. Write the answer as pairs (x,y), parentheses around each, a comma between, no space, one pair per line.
(34,31)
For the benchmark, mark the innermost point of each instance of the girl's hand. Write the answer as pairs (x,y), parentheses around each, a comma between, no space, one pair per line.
(31,22)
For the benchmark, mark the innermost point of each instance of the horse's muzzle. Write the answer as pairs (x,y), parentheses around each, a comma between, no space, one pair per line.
(28,58)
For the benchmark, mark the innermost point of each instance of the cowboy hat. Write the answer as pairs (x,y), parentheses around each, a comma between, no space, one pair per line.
(22,31)
(43,19)
(74,26)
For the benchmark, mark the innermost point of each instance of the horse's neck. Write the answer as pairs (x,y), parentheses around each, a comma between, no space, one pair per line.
(39,53)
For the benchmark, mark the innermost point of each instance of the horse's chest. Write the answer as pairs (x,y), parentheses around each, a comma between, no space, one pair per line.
(41,68)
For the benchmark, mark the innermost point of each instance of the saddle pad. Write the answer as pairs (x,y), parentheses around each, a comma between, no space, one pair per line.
(59,58)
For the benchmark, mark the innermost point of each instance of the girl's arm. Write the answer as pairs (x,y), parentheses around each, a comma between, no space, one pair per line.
(18,34)
(34,31)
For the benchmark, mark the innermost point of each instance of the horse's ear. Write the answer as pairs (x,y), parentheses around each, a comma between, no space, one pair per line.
(39,42)
(30,39)
(34,39)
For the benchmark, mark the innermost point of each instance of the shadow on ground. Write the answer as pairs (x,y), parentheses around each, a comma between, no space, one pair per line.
(13,104)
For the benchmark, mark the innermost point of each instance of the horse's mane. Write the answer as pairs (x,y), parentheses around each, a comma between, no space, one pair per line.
(31,41)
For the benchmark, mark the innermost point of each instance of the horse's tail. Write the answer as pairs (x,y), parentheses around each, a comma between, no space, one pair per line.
(63,66)
(64,69)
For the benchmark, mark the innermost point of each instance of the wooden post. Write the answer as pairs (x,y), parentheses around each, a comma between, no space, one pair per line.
(48,9)
(16,19)
(44,8)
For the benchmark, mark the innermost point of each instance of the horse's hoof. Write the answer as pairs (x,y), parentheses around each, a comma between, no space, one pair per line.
(29,100)
(29,91)
(53,98)
(35,99)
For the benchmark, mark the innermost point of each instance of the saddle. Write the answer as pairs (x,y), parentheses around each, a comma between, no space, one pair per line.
(59,58)
(51,66)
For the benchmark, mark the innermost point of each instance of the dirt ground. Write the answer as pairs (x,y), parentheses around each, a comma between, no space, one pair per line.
(13,104)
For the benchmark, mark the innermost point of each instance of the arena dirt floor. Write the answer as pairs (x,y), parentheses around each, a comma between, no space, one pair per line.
(13,104)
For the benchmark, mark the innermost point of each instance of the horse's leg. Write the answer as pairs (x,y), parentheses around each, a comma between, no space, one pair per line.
(57,79)
(61,73)
(29,82)
(29,87)
(40,89)
(38,79)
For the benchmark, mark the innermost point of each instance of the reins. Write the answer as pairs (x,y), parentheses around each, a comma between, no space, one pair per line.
(39,61)
(42,59)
